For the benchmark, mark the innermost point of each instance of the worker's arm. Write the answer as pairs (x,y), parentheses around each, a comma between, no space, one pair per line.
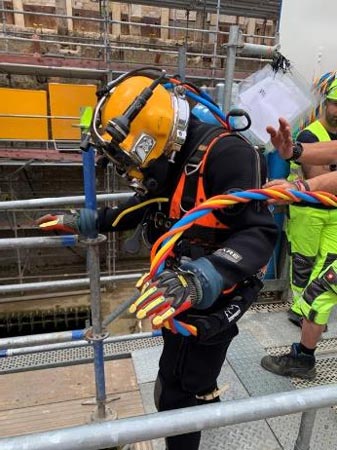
(124,217)
(326,182)
(318,153)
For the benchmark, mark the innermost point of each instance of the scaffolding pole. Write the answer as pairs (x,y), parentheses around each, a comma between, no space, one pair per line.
(233,42)
(41,241)
(73,200)
(60,284)
(92,240)
(235,49)
(178,421)
(58,345)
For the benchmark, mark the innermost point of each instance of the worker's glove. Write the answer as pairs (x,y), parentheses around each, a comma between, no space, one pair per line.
(195,283)
(167,295)
(65,223)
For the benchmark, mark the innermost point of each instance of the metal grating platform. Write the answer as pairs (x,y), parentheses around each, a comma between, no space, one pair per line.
(264,329)
(269,307)
(240,437)
(326,366)
(245,377)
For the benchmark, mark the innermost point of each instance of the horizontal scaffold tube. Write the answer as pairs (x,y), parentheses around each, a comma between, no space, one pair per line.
(40,241)
(169,423)
(74,200)
(7,352)
(44,338)
(60,284)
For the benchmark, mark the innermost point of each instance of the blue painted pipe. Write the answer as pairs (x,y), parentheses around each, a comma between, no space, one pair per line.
(89,214)
(77,335)
(89,176)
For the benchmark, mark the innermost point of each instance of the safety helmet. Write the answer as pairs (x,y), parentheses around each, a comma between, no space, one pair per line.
(138,120)
(332,91)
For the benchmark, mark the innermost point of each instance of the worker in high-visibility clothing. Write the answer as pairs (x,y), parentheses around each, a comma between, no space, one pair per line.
(312,234)
(312,229)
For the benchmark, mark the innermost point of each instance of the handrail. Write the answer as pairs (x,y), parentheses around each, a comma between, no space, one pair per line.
(73,200)
(68,338)
(60,284)
(169,423)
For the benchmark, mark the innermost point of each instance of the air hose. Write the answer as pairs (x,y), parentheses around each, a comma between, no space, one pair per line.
(163,246)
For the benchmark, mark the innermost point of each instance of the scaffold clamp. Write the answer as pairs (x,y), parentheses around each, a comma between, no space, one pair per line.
(91,337)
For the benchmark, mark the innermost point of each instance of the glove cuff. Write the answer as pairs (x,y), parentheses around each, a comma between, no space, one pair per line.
(208,278)
(72,221)
(87,222)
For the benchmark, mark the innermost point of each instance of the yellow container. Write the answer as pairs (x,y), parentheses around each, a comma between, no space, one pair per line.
(26,103)
(66,100)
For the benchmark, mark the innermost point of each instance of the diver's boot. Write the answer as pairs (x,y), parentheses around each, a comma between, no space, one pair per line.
(293,364)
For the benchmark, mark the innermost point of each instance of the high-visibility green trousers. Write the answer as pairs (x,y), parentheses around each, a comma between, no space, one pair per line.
(312,234)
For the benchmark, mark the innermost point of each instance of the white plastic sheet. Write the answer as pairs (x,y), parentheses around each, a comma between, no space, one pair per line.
(267,95)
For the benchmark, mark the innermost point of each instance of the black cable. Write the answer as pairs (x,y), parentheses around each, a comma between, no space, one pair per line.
(146,70)
(280,62)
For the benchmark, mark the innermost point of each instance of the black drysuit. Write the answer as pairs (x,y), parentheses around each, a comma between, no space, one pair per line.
(189,366)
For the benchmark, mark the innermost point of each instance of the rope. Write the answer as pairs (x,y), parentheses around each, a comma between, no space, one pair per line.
(164,245)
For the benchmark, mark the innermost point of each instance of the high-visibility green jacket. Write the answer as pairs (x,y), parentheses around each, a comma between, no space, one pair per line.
(322,135)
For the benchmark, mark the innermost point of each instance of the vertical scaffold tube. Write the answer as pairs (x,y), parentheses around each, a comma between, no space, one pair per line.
(93,267)
(305,431)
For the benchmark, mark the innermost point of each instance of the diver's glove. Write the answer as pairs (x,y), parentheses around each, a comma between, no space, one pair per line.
(65,223)
(195,283)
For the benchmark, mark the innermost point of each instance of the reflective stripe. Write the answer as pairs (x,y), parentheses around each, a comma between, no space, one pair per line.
(317,129)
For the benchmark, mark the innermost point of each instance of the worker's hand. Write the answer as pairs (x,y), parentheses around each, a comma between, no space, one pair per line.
(282,184)
(279,183)
(167,295)
(196,283)
(65,223)
(282,138)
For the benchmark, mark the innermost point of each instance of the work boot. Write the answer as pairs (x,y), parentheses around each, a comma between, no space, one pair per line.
(295,318)
(294,364)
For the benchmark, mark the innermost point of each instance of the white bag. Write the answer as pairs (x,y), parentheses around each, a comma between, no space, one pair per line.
(267,95)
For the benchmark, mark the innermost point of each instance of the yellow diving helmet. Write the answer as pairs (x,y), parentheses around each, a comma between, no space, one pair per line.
(138,120)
